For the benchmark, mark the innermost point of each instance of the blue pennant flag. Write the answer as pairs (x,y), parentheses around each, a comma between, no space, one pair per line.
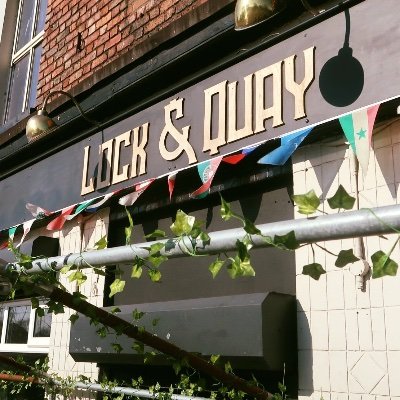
(289,144)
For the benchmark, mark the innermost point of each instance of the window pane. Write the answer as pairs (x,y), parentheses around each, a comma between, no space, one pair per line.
(17,324)
(25,26)
(41,16)
(42,326)
(35,76)
(17,88)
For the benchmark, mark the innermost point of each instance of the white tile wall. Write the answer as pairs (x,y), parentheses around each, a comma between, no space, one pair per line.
(353,342)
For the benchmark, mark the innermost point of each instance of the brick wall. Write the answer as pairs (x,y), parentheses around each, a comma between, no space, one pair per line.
(81,36)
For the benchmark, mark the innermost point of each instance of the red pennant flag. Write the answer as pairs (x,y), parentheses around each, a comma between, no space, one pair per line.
(58,222)
(130,198)
(171,184)
(234,159)
(4,244)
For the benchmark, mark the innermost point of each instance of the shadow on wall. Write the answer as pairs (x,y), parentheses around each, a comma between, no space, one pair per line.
(341,80)
(305,354)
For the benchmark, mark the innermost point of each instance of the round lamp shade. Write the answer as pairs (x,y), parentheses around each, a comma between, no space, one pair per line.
(252,12)
(38,125)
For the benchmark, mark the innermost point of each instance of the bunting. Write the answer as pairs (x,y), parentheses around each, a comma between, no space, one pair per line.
(81,207)
(206,170)
(11,232)
(4,244)
(289,144)
(57,223)
(171,184)
(358,127)
(27,226)
(36,211)
(93,207)
(130,198)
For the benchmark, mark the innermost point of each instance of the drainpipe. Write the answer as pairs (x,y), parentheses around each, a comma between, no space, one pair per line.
(361,268)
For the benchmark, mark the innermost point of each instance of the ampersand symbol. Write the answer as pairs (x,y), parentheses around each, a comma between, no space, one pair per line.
(182,138)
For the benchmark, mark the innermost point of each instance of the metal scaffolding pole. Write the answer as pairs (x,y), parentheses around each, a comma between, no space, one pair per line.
(365,222)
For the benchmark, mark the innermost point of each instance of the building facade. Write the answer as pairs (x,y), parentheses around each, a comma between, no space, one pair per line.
(179,107)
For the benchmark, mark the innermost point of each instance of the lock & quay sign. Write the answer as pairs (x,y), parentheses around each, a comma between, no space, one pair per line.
(197,124)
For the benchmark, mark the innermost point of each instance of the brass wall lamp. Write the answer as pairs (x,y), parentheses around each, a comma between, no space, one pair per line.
(38,125)
(249,13)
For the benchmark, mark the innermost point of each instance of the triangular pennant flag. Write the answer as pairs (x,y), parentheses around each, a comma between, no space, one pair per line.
(358,127)
(4,244)
(130,198)
(58,222)
(11,232)
(289,144)
(171,183)
(36,211)
(248,149)
(95,206)
(81,207)
(207,170)
(27,227)
(233,159)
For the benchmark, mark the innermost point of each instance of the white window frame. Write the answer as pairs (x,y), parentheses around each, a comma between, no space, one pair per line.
(27,49)
(34,344)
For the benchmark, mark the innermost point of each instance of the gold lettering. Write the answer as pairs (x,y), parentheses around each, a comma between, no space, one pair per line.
(104,166)
(89,188)
(247,130)
(138,151)
(182,139)
(212,144)
(123,176)
(299,89)
(275,110)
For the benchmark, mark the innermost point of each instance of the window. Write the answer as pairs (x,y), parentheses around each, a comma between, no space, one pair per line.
(22,330)
(25,58)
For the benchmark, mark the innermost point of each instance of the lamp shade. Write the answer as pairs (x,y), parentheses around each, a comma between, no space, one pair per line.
(252,12)
(38,124)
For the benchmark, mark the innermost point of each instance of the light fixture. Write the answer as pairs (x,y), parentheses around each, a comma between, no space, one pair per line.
(39,124)
(249,13)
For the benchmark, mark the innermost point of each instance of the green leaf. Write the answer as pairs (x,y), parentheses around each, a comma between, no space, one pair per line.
(313,270)
(183,224)
(155,321)
(214,358)
(99,271)
(35,302)
(205,238)
(115,310)
(287,242)
(240,267)
(138,347)
(155,275)
(383,265)
(102,332)
(77,298)
(155,248)
(77,276)
(215,267)
(157,234)
(128,229)
(345,257)
(101,243)
(341,199)
(307,203)
(55,307)
(73,318)
(228,367)
(157,260)
(65,269)
(170,245)
(137,271)
(250,228)
(136,314)
(226,211)
(116,287)
(40,312)
(117,347)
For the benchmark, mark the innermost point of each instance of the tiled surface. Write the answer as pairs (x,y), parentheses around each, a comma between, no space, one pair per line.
(352,344)
(61,363)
